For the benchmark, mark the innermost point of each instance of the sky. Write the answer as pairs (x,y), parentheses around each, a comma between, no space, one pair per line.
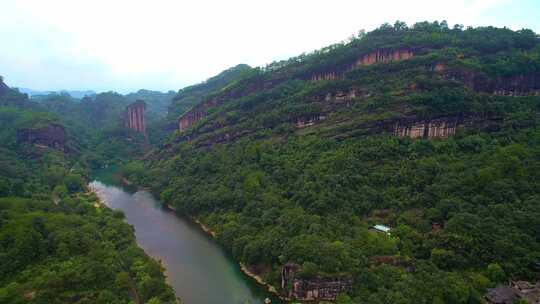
(124,46)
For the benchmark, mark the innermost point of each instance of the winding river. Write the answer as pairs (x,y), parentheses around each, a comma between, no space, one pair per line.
(199,269)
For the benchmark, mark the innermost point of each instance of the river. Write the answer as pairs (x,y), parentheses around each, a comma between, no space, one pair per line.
(199,269)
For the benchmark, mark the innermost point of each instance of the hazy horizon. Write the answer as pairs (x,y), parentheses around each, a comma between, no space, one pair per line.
(125,46)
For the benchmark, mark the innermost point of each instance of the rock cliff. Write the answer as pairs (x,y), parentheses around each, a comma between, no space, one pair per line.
(428,129)
(307,121)
(134,116)
(198,112)
(314,289)
(516,85)
(51,136)
(194,115)
(385,56)
(378,56)
(446,126)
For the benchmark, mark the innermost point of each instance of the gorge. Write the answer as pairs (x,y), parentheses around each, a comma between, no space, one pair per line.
(198,269)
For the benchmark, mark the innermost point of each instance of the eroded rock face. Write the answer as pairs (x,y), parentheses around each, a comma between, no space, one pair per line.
(193,116)
(315,289)
(303,122)
(200,111)
(52,136)
(516,86)
(378,56)
(326,76)
(384,56)
(428,129)
(134,116)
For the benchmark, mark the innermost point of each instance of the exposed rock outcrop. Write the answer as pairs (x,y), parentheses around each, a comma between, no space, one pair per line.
(51,136)
(200,111)
(429,129)
(314,289)
(307,121)
(517,85)
(326,76)
(520,85)
(378,56)
(194,115)
(444,127)
(385,56)
(134,116)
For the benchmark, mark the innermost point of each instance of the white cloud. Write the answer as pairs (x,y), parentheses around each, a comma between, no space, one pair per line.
(125,45)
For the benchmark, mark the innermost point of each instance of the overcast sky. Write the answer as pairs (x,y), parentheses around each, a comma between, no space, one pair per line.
(165,45)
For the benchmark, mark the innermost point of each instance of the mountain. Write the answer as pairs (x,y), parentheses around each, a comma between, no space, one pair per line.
(72,93)
(430,132)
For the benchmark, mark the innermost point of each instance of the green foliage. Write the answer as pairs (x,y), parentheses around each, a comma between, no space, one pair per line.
(276,193)
(192,95)
(56,246)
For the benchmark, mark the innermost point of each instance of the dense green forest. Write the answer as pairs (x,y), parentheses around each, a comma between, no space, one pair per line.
(58,244)
(293,162)
(464,210)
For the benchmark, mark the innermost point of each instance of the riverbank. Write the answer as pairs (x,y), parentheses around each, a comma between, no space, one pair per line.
(92,190)
(205,228)
(243,267)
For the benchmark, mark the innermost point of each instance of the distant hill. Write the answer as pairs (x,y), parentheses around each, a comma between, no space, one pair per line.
(74,94)
(157,102)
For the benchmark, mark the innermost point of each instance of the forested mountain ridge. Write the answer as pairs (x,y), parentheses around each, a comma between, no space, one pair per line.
(57,243)
(430,130)
(426,58)
(193,95)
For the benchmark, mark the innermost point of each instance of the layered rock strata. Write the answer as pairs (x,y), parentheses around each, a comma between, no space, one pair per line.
(134,116)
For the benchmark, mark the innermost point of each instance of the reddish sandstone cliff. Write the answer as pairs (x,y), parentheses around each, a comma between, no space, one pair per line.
(378,56)
(134,116)
(385,56)
(429,129)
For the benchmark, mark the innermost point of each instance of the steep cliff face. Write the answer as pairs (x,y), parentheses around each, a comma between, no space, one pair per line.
(326,76)
(444,127)
(134,116)
(517,85)
(194,115)
(200,111)
(378,56)
(315,289)
(52,136)
(520,85)
(307,121)
(428,129)
(384,56)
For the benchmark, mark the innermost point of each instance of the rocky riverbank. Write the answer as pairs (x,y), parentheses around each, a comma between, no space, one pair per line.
(245,269)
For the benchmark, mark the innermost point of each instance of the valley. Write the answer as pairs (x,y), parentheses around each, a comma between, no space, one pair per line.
(399,166)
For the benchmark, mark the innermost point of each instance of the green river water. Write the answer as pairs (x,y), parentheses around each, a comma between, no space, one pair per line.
(199,269)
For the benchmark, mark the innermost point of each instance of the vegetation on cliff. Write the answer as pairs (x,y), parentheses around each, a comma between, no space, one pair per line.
(287,169)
